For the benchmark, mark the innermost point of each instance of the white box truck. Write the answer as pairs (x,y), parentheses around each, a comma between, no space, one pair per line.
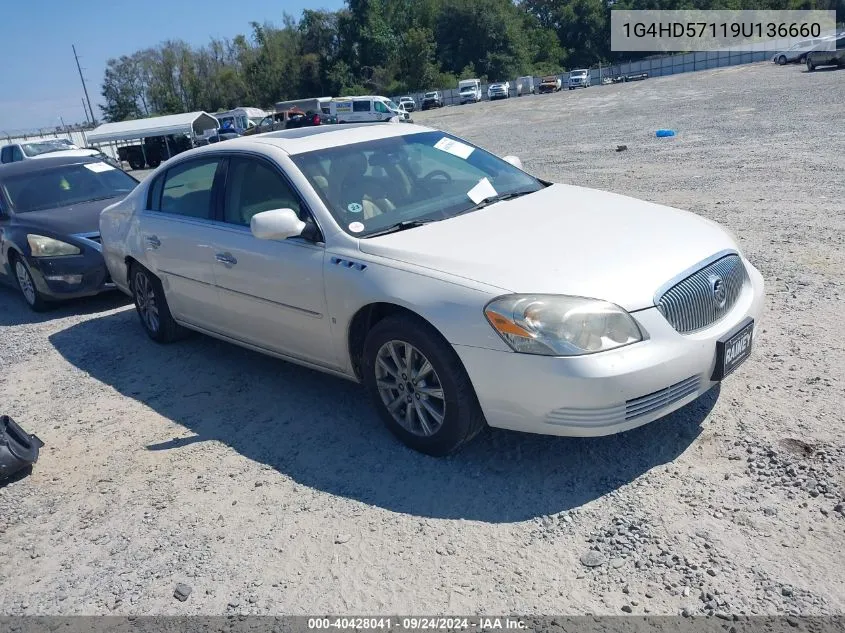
(469,90)
(524,86)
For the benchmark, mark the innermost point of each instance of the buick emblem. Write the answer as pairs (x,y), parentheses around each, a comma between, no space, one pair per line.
(719,290)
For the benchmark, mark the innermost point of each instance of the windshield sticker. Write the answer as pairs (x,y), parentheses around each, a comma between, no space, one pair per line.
(354,207)
(456,148)
(481,191)
(98,167)
(356,227)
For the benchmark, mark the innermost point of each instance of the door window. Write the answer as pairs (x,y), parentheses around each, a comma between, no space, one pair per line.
(380,107)
(253,186)
(187,189)
(17,154)
(6,154)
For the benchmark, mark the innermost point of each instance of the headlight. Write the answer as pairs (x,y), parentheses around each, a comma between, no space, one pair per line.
(48,247)
(557,325)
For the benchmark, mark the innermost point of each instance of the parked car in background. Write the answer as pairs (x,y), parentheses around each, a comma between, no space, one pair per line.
(365,252)
(44,148)
(409,103)
(835,57)
(404,115)
(579,79)
(274,122)
(550,83)
(469,91)
(49,226)
(308,119)
(432,100)
(364,109)
(797,53)
(499,90)
(524,86)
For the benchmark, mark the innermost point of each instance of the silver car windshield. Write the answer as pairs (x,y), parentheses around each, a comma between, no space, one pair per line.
(371,186)
(34,149)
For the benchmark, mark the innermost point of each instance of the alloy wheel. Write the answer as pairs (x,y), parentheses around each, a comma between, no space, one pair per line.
(146,301)
(410,388)
(25,282)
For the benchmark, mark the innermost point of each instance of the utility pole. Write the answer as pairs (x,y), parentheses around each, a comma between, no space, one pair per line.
(79,68)
(87,120)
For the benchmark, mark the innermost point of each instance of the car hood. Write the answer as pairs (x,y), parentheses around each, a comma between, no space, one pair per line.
(68,152)
(77,218)
(563,240)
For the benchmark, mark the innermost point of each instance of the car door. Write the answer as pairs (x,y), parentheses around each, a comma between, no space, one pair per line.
(271,292)
(177,236)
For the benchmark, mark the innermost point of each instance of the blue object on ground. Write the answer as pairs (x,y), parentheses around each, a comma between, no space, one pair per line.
(662,133)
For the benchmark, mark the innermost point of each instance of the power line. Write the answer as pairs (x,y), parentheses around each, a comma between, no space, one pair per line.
(79,68)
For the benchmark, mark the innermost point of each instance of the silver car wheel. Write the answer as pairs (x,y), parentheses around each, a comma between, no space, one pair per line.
(410,388)
(25,282)
(146,300)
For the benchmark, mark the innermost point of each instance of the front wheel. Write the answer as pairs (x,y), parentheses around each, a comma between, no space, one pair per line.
(419,386)
(152,307)
(781,60)
(34,299)
(810,66)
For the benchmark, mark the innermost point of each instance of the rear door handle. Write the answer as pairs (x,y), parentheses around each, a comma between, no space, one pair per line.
(226,258)
(152,241)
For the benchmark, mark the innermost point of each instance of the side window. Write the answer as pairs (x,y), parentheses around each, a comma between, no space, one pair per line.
(6,154)
(154,194)
(380,107)
(360,106)
(17,154)
(187,189)
(253,186)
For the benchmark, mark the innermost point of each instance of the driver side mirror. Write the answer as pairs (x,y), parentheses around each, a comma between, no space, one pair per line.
(276,224)
(513,160)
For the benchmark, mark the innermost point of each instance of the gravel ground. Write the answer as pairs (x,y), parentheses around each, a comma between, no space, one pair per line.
(267,488)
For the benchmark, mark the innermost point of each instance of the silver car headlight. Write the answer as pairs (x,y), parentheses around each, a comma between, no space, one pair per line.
(42,246)
(558,325)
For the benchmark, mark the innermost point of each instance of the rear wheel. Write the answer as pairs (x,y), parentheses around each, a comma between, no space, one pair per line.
(136,164)
(152,307)
(421,390)
(34,299)
(810,66)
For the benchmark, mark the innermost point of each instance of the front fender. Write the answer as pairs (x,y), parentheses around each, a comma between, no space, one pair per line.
(455,309)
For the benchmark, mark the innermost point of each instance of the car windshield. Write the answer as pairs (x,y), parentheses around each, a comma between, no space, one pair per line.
(467,88)
(372,186)
(35,149)
(66,185)
(579,73)
(430,94)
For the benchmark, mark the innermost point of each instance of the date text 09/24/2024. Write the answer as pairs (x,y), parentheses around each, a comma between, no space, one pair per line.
(416,623)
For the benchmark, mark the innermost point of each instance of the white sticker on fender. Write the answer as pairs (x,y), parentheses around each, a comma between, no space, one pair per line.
(98,167)
(461,150)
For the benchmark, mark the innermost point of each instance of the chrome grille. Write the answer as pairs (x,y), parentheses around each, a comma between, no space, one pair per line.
(659,399)
(691,305)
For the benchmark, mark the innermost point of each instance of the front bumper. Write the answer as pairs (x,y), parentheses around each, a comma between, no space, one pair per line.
(90,267)
(608,392)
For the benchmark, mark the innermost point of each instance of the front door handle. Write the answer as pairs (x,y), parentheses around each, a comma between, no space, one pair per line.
(226,258)
(152,241)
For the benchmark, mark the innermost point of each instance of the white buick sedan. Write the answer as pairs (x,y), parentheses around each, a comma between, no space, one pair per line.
(459,289)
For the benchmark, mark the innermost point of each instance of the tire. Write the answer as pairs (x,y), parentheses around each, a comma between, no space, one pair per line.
(781,60)
(152,308)
(30,293)
(810,66)
(134,164)
(154,163)
(461,417)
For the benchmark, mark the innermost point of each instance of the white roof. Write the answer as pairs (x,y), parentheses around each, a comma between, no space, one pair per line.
(306,139)
(155,126)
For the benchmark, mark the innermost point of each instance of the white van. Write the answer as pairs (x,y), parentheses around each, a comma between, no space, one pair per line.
(365,109)
(241,119)
(469,90)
